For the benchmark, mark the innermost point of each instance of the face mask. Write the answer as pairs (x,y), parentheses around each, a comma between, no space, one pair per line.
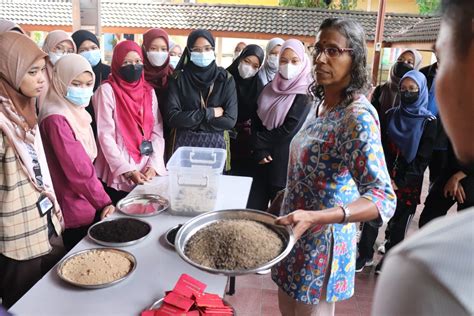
(54,57)
(131,73)
(272,61)
(246,71)
(157,59)
(408,97)
(174,60)
(92,56)
(401,68)
(202,59)
(79,96)
(290,71)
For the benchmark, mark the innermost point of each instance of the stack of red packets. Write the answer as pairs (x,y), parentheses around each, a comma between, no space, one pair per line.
(188,299)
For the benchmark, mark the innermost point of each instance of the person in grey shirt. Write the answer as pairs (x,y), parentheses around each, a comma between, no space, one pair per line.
(432,273)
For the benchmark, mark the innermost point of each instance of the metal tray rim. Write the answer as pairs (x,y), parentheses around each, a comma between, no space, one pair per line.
(179,245)
(118,244)
(134,197)
(130,256)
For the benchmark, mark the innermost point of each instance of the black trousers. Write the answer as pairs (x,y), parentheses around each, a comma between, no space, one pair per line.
(72,236)
(436,205)
(438,162)
(395,233)
(262,191)
(114,195)
(17,277)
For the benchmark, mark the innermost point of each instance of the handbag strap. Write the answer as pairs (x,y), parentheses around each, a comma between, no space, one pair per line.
(204,104)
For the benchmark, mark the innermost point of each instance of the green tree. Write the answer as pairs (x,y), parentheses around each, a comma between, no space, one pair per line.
(428,6)
(324,4)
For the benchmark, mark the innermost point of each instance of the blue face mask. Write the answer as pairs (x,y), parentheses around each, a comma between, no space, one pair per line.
(202,59)
(92,56)
(79,96)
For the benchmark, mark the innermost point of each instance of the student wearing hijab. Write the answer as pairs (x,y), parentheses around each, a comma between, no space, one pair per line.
(387,95)
(175,54)
(202,97)
(88,46)
(6,26)
(157,62)
(282,109)
(244,70)
(29,215)
(411,134)
(71,149)
(238,49)
(57,44)
(270,66)
(129,125)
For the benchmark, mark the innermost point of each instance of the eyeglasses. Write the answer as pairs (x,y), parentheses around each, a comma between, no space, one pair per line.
(206,49)
(64,50)
(331,52)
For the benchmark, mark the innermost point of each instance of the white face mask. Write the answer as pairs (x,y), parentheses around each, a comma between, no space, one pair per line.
(272,61)
(157,59)
(246,70)
(54,57)
(174,60)
(290,71)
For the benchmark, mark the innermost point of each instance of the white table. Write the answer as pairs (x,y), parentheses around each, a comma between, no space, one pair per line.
(158,268)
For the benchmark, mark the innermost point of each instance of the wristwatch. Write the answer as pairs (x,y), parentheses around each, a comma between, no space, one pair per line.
(347,214)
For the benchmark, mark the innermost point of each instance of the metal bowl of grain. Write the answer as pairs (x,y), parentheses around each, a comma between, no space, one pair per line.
(97,268)
(234,242)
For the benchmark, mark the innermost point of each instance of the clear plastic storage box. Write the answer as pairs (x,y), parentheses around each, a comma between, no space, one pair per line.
(194,174)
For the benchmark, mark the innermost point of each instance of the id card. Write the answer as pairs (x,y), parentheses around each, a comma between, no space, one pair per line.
(146,148)
(44,205)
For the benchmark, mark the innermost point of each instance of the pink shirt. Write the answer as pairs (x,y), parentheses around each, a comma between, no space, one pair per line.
(113,159)
(78,190)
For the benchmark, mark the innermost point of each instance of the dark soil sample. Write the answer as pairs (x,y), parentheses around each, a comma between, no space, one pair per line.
(171,235)
(234,245)
(120,230)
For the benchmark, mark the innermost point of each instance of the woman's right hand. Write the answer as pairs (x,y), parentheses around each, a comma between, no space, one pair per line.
(451,187)
(136,177)
(301,221)
(106,211)
(218,112)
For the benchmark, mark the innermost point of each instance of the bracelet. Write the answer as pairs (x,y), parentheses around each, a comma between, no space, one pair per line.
(347,214)
(128,175)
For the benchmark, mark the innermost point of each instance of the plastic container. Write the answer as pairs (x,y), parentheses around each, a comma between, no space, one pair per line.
(194,174)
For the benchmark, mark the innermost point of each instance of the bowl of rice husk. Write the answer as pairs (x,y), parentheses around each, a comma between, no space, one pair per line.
(234,242)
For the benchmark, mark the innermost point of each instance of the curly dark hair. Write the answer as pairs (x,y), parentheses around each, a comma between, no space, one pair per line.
(355,35)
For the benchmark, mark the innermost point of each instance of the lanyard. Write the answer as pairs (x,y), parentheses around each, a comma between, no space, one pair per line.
(204,104)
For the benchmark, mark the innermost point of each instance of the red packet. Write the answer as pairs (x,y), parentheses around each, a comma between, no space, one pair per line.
(148,313)
(169,310)
(188,286)
(209,300)
(179,301)
(193,313)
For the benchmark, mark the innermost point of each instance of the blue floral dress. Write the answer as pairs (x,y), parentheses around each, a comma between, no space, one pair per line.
(334,159)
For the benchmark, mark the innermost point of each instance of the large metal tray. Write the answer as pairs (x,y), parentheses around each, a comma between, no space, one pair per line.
(199,222)
(118,244)
(143,199)
(127,254)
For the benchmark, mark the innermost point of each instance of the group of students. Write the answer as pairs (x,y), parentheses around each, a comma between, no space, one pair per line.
(414,139)
(86,133)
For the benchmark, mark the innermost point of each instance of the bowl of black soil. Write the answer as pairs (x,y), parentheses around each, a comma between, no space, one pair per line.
(119,232)
(170,235)
(234,242)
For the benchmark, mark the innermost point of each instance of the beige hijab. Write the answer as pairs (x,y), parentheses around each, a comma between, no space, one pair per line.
(50,42)
(65,70)
(6,25)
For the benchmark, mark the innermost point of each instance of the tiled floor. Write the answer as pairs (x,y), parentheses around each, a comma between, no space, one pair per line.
(257,294)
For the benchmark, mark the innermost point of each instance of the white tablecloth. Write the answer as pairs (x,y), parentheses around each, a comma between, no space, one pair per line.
(158,268)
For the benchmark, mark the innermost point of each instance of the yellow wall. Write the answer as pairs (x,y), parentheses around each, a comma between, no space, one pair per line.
(249,2)
(395,6)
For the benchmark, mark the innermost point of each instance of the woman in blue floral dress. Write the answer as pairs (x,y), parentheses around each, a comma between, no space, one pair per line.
(336,176)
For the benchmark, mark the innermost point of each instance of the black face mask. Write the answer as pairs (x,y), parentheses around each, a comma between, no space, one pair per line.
(131,73)
(401,68)
(408,97)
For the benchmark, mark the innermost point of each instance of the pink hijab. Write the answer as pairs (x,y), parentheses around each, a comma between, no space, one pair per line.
(277,97)
(65,70)
(50,42)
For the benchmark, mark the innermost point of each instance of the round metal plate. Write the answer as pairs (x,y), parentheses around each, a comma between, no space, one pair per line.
(117,244)
(143,205)
(170,235)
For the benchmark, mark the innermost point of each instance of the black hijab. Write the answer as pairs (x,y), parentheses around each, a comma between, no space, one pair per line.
(247,89)
(200,77)
(101,70)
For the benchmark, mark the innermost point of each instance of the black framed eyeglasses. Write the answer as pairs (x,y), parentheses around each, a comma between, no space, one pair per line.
(331,52)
